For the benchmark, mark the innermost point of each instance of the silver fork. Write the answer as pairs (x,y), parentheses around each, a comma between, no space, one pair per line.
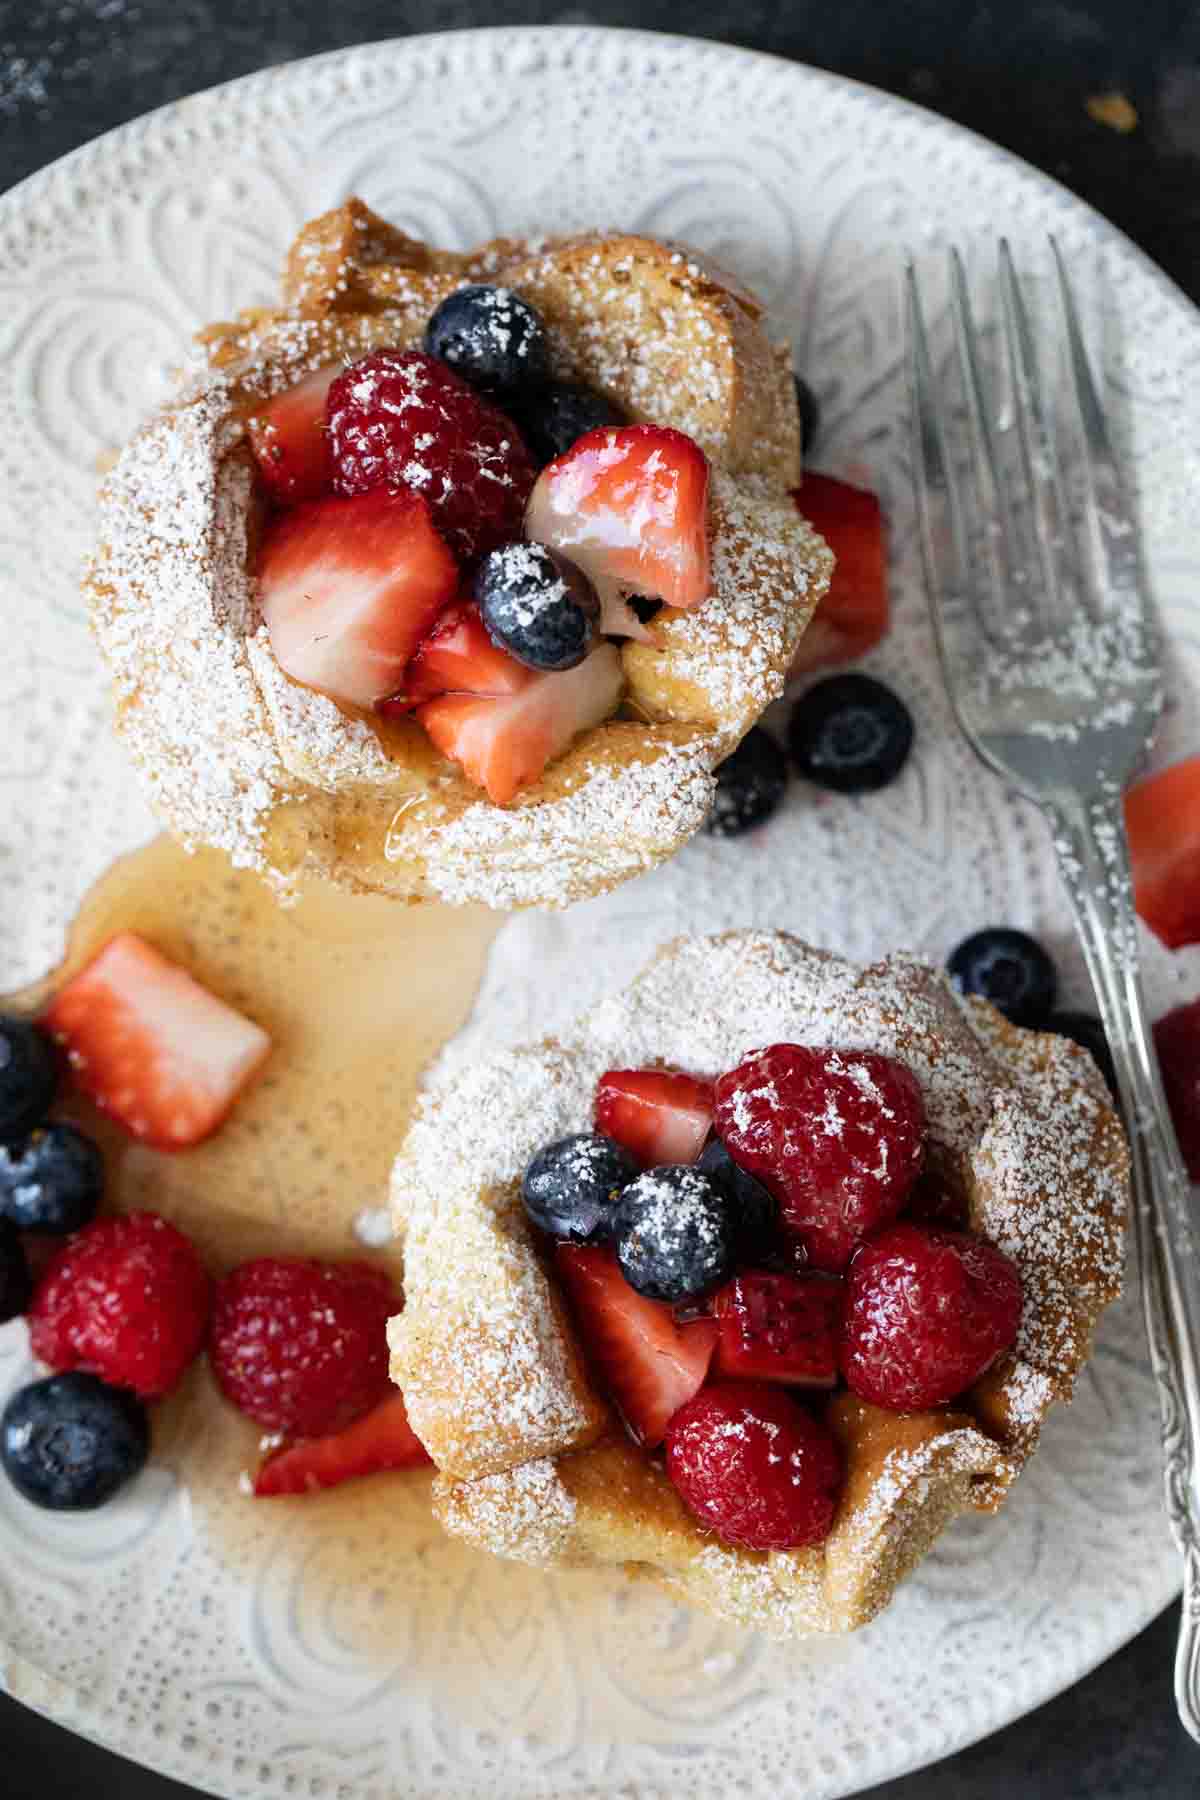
(1051,661)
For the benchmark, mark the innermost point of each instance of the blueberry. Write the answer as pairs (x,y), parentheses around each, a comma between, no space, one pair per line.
(51,1180)
(810,414)
(1086,1029)
(755,1212)
(28,1075)
(750,785)
(491,337)
(571,1188)
(555,416)
(69,1442)
(1009,969)
(537,605)
(676,1233)
(15,1283)
(851,734)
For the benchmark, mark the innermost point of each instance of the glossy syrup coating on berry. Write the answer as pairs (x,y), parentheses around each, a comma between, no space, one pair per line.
(927,1313)
(15,1283)
(399,418)
(756,1212)
(850,733)
(837,1135)
(1177,1041)
(557,414)
(753,1466)
(301,1346)
(572,1186)
(1010,969)
(51,1181)
(676,1233)
(750,784)
(28,1075)
(537,605)
(70,1442)
(491,337)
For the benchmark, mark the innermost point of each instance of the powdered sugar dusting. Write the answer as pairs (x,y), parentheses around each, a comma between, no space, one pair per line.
(528,1511)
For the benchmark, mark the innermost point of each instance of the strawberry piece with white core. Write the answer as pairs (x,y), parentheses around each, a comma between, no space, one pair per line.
(458,657)
(291,444)
(662,1115)
(155,1050)
(349,588)
(629,505)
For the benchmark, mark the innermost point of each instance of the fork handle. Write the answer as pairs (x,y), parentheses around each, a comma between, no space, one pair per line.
(1094,860)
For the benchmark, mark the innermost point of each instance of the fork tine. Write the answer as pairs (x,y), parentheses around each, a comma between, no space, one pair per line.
(939,502)
(1039,453)
(991,489)
(1108,517)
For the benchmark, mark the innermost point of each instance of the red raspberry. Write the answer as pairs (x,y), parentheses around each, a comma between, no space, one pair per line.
(400,418)
(300,1346)
(754,1467)
(1177,1040)
(837,1135)
(927,1312)
(126,1299)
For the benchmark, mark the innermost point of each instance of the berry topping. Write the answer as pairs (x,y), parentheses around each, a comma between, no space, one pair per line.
(645,1359)
(126,1299)
(853,616)
(850,733)
(1177,1041)
(537,605)
(491,337)
(927,1312)
(779,1328)
(300,1346)
(51,1181)
(155,1050)
(570,1189)
(1162,823)
(382,1439)
(809,408)
(350,587)
(556,416)
(756,1216)
(504,744)
(630,506)
(1008,968)
(750,785)
(458,657)
(15,1283)
(290,442)
(754,1467)
(661,1115)
(70,1442)
(676,1233)
(399,418)
(837,1135)
(28,1075)
(1085,1028)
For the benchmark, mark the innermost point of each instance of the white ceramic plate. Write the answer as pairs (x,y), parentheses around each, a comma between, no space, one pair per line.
(125,1625)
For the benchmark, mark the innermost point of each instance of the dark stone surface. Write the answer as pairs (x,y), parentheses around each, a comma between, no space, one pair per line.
(1018,71)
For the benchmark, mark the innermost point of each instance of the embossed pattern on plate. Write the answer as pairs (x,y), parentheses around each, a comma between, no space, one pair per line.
(122,1625)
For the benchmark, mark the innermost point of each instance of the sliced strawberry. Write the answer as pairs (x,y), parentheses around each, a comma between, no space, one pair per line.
(153,1048)
(1162,819)
(290,442)
(350,587)
(458,657)
(853,616)
(503,744)
(629,505)
(661,1115)
(383,1439)
(779,1328)
(649,1363)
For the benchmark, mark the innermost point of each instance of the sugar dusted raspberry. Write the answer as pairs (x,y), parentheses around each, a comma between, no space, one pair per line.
(837,1135)
(399,418)
(927,1312)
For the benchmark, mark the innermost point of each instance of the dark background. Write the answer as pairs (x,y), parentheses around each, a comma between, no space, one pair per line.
(1018,72)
